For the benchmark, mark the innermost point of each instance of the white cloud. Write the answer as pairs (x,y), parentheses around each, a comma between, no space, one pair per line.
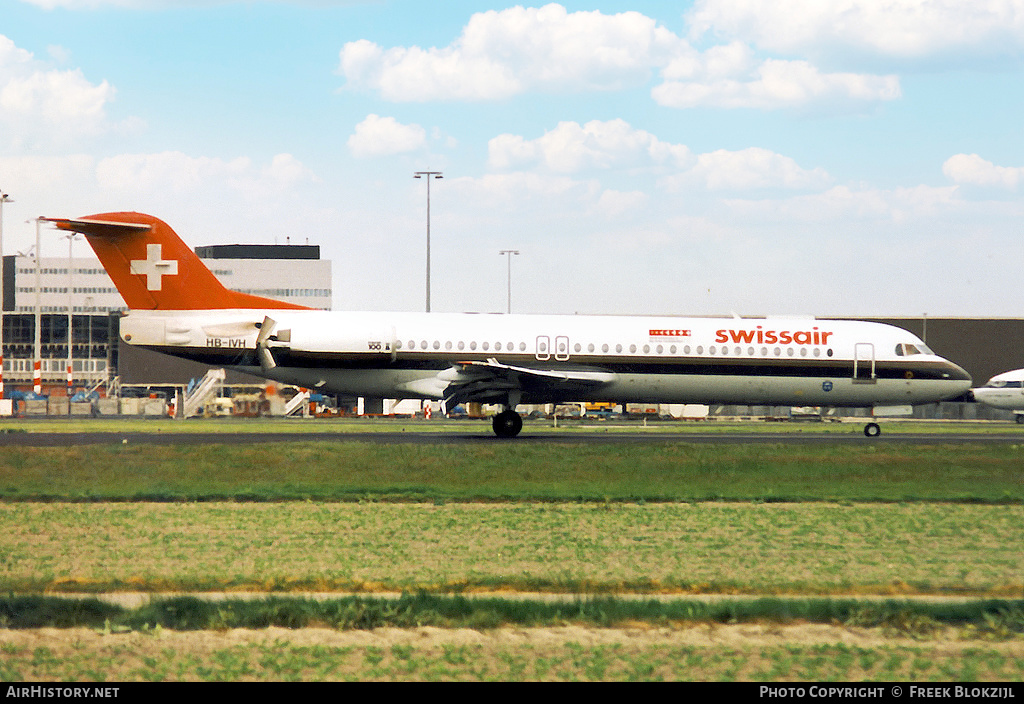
(503,53)
(178,174)
(383,136)
(285,171)
(972,169)
(163,4)
(415,74)
(81,4)
(771,84)
(55,96)
(895,28)
(859,206)
(512,189)
(752,168)
(615,203)
(39,173)
(165,171)
(168,181)
(39,105)
(571,147)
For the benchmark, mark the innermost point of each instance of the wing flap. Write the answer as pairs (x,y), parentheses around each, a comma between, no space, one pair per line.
(494,382)
(566,375)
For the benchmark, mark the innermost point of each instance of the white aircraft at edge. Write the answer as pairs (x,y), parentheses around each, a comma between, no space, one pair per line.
(1005,391)
(177,306)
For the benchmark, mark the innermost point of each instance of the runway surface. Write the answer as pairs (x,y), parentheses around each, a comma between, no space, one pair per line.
(483,436)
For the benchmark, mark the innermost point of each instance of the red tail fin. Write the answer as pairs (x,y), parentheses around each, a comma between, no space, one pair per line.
(153,269)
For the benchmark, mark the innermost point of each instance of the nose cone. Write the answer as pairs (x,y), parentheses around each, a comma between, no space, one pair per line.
(957,373)
(959,380)
(988,395)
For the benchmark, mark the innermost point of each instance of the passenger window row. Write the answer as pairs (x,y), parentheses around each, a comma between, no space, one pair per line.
(592,348)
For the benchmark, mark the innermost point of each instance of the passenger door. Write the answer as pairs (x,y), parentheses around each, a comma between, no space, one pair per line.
(864,363)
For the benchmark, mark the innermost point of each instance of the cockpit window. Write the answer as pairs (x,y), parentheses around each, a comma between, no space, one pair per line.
(1003,384)
(906,350)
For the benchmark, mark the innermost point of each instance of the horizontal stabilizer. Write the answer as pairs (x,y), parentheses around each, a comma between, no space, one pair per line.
(98,228)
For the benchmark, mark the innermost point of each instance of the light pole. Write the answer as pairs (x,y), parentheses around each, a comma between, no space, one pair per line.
(71,310)
(429,175)
(509,253)
(4,198)
(87,366)
(37,365)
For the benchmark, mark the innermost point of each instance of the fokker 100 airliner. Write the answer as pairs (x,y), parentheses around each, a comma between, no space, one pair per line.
(1005,391)
(177,306)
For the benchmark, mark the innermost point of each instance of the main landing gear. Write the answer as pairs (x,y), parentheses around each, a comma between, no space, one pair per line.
(872,430)
(507,424)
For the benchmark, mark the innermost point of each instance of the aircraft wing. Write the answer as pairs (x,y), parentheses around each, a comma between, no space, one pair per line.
(494,382)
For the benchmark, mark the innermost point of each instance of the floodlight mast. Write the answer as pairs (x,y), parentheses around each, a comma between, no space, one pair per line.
(509,253)
(37,364)
(429,175)
(71,312)
(4,198)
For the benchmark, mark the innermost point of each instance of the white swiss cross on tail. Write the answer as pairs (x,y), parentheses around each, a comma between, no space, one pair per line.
(154,267)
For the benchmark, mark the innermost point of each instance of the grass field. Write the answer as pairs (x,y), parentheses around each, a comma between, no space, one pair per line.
(430,638)
(775,548)
(584,427)
(536,471)
(595,520)
(565,654)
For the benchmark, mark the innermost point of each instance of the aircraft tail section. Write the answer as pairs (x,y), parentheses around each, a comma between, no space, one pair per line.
(153,269)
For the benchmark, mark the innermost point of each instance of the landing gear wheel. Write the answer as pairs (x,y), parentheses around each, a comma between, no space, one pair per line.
(507,424)
(872,430)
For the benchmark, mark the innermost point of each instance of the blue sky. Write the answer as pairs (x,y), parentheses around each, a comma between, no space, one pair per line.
(798,157)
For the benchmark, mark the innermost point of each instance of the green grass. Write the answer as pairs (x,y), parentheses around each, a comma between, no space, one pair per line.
(993,619)
(645,471)
(571,427)
(160,656)
(584,548)
(493,639)
(441,521)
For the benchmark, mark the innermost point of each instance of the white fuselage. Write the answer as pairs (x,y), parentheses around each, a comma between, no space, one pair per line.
(555,358)
(1005,391)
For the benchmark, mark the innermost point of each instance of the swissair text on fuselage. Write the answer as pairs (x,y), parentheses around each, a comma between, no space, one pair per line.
(773,337)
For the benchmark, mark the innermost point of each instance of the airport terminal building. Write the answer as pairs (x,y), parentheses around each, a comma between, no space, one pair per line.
(46,299)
